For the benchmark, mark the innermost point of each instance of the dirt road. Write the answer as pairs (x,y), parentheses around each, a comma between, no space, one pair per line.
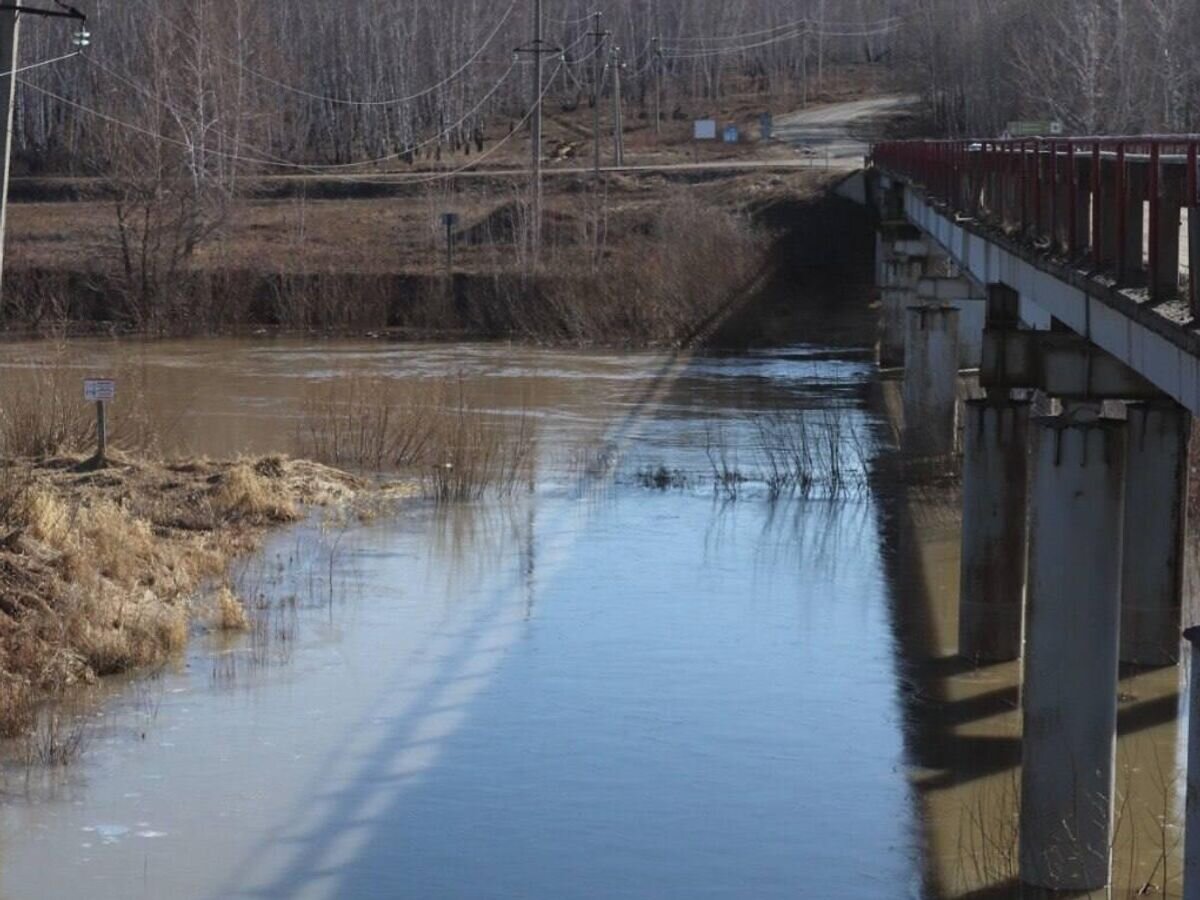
(834,132)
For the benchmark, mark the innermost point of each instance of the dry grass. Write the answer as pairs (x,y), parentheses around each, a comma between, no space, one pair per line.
(432,430)
(229,613)
(100,570)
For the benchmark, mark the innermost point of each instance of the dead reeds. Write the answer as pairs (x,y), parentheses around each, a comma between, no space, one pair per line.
(807,453)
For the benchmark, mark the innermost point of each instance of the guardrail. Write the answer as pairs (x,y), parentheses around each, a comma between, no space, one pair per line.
(1114,203)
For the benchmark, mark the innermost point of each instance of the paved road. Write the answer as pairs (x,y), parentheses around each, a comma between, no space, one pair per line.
(828,132)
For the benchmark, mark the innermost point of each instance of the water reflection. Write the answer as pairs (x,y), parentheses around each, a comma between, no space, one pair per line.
(962,728)
(596,689)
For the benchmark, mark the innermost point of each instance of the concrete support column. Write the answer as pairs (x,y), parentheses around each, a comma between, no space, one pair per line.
(971,304)
(931,381)
(1191,825)
(995,495)
(900,276)
(1155,520)
(1069,691)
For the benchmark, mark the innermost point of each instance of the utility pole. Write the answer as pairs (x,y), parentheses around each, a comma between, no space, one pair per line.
(9,35)
(618,123)
(537,48)
(597,76)
(10,21)
(657,89)
(536,233)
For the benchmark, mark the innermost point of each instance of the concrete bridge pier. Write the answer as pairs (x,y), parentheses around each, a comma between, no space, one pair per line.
(995,493)
(931,381)
(1191,825)
(1077,489)
(904,265)
(965,295)
(1155,523)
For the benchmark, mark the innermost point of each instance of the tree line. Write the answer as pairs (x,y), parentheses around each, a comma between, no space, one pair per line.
(226,86)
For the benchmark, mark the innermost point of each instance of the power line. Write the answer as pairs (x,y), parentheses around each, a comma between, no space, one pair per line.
(342,101)
(405,178)
(38,65)
(699,53)
(787,26)
(321,167)
(312,169)
(266,160)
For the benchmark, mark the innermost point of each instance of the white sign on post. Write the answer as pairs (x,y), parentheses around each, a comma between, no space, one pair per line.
(96,390)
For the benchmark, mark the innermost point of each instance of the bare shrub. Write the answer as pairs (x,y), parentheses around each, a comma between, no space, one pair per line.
(697,263)
(57,738)
(430,429)
(41,413)
(368,423)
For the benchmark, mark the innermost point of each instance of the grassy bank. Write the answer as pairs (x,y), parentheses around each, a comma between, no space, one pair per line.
(102,570)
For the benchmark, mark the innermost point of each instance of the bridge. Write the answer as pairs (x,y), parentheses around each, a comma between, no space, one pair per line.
(1066,273)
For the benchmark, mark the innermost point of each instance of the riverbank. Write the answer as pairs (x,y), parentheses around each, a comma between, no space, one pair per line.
(105,570)
(645,261)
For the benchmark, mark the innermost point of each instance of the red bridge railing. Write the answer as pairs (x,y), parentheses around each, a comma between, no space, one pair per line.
(1115,204)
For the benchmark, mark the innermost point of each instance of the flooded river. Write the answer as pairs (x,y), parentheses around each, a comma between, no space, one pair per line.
(598,688)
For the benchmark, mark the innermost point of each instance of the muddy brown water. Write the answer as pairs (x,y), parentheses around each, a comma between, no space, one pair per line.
(595,689)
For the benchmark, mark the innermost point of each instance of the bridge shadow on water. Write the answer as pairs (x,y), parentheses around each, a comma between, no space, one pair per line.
(963,726)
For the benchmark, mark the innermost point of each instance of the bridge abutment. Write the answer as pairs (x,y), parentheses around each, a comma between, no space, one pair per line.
(1077,488)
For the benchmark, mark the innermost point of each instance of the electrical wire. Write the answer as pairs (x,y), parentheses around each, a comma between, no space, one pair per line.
(38,65)
(786,26)
(322,167)
(404,178)
(308,169)
(699,53)
(265,159)
(342,101)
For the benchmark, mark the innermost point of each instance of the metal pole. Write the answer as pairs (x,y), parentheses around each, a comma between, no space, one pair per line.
(618,124)
(101,432)
(9,33)
(657,89)
(449,250)
(1191,827)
